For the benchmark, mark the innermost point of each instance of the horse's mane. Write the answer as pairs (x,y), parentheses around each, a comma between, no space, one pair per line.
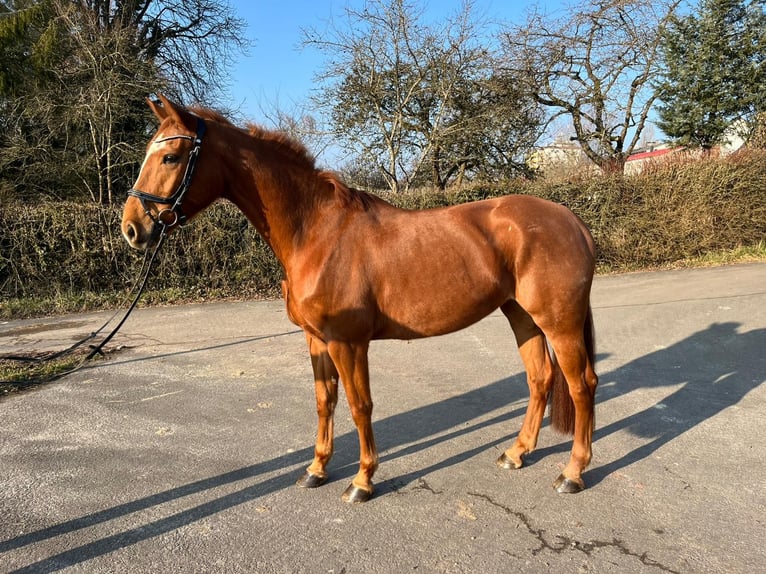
(211,115)
(299,153)
(288,145)
(348,196)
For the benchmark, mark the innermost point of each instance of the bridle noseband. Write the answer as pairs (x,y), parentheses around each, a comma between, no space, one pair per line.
(169,217)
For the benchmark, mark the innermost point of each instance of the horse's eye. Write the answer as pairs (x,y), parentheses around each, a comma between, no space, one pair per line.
(170,158)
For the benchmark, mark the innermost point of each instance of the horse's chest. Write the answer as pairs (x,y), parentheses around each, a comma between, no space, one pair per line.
(329,313)
(294,312)
(302,311)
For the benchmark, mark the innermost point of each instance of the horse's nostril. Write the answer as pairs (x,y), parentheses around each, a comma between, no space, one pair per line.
(130,232)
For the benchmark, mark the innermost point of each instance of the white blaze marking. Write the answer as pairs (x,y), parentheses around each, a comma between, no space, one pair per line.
(150,153)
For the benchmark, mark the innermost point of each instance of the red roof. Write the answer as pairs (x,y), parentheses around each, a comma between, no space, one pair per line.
(649,154)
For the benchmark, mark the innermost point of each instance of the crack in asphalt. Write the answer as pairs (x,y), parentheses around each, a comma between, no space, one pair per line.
(423,485)
(564,543)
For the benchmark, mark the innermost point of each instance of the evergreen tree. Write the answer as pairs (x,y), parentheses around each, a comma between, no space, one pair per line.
(714,72)
(27,46)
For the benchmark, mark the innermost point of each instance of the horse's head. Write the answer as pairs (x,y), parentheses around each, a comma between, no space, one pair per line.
(162,197)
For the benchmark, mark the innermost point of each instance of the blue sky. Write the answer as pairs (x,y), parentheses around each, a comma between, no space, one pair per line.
(278,73)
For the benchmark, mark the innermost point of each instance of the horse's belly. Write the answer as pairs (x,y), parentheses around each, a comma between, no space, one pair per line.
(441,310)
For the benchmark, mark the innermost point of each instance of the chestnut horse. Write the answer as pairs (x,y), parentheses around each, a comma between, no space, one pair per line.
(358,269)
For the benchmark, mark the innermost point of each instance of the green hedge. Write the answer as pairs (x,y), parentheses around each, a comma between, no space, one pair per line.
(71,251)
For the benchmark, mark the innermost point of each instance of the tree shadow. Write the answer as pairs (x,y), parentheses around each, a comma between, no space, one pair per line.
(714,369)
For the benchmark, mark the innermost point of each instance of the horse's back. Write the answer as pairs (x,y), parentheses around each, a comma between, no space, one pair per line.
(437,271)
(529,234)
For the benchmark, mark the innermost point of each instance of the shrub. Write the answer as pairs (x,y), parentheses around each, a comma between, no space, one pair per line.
(678,211)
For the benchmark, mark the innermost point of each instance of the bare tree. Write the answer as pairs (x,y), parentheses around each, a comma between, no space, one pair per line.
(596,65)
(413,99)
(190,42)
(299,121)
(104,87)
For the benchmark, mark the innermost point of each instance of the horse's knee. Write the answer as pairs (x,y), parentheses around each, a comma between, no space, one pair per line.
(325,410)
(361,413)
(540,384)
(591,379)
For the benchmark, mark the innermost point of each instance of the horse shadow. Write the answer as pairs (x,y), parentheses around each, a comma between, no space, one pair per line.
(452,416)
(713,370)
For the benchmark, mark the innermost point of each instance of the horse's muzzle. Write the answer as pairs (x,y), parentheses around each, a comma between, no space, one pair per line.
(132,235)
(137,234)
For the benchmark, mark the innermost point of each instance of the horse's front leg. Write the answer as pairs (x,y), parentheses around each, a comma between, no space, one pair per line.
(351,360)
(326,383)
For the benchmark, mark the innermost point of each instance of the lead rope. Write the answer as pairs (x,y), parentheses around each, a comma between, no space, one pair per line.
(97,349)
(145,271)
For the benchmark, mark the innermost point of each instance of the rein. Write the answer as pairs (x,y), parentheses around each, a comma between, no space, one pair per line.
(164,220)
(144,272)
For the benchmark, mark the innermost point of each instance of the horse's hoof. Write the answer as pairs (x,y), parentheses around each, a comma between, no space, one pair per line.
(507,463)
(564,485)
(354,494)
(309,480)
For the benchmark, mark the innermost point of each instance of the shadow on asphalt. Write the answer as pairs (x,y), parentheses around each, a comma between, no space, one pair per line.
(233,343)
(713,370)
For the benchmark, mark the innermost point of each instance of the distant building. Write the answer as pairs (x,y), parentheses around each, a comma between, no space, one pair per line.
(656,153)
(651,155)
(565,158)
(561,158)
(734,137)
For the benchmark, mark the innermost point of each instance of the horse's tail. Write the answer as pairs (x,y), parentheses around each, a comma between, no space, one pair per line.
(561,406)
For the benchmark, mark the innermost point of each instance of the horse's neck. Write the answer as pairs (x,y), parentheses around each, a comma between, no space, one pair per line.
(279,203)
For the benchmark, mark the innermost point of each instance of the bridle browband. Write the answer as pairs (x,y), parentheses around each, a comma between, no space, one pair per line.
(169,217)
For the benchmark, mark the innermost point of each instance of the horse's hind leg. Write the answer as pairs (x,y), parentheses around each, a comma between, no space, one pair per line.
(575,355)
(326,384)
(537,361)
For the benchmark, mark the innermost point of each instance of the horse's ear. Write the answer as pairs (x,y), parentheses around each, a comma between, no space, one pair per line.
(163,107)
(157,108)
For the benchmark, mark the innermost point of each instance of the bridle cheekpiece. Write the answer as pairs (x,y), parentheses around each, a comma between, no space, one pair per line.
(169,217)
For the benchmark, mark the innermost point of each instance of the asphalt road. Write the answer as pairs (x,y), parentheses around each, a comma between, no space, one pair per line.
(179,453)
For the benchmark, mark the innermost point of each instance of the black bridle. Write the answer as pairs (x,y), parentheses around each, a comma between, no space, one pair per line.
(173,215)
